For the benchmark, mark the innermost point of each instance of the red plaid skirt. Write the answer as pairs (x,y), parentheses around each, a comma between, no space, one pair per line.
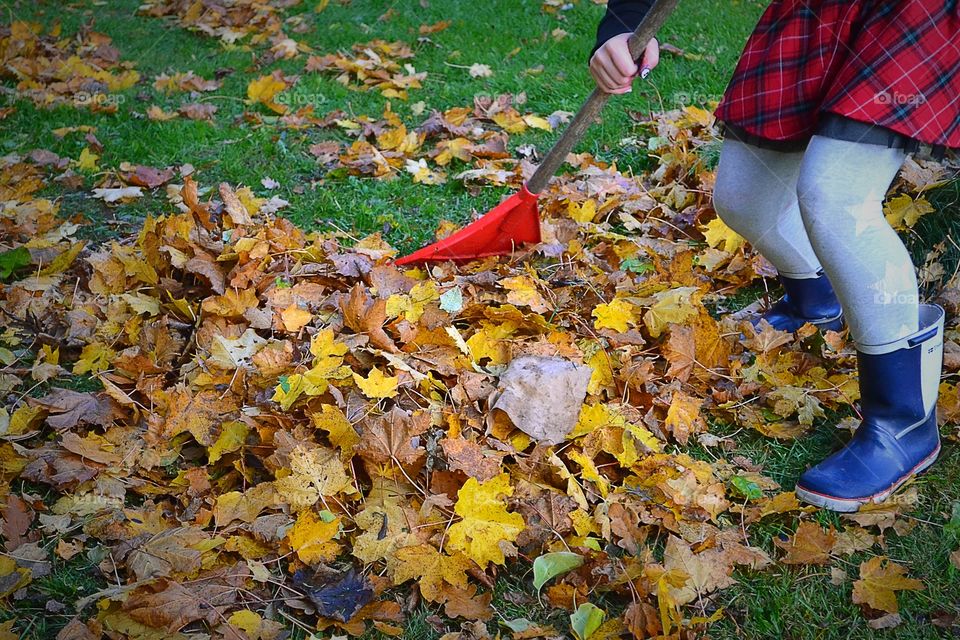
(884,62)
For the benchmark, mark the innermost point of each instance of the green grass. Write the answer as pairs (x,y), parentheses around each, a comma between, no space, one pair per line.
(240,154)
(783,602)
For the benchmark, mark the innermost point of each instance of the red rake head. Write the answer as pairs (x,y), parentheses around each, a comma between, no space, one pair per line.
(499,232)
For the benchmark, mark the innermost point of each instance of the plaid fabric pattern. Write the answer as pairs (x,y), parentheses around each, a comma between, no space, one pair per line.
(884,62)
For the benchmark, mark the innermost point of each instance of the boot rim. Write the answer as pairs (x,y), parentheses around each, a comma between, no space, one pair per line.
(851,505)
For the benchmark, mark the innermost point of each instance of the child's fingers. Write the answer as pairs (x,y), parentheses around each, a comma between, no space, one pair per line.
(651,56)
(620,57)
(614,78)
(602,76)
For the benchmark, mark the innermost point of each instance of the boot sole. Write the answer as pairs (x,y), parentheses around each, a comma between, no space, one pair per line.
(851,505)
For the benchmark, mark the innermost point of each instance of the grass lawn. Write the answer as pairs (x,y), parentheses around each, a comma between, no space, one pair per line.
(515,39)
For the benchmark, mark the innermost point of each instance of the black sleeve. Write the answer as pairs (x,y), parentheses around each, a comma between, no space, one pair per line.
(623,16)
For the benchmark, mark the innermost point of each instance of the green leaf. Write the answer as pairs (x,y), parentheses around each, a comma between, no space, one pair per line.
(327,516)
(952,528)
(586,620)
(747,488)
(12,260)
(519,625)
(551,565)
(636,265)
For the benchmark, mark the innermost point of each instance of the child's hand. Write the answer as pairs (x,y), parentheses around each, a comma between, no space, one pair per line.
(614,69)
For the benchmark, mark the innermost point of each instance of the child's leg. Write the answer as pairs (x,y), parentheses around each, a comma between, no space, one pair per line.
(756,196)
(841,189)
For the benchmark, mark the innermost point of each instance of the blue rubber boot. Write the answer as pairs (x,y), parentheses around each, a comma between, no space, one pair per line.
(807,300)
(898,436)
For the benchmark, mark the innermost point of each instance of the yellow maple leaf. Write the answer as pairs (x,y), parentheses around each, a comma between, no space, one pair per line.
(583,212)
(880,579)
(294,318)
(672,306)
(314,474)
(423,174)
(94,358)
(510,121)
(811,544)
(232,303)
(589,471)
(903,211)
(490,342)
(312,538)
(263,90)
(385,522)
(377,384)
(616,314)
(486,526)
(717,233)
(458,148)
(430,568)
(411,306)
(596,416)
(340,432)
(327,365)
(232,436)
(596,357)
(522,291)
(683,416)
(87,161)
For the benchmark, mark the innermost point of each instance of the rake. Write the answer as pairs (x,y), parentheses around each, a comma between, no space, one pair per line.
(516,220)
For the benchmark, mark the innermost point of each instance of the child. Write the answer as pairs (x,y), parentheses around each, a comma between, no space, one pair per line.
(828,98)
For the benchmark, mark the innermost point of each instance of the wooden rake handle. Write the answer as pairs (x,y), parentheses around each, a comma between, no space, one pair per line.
(585,117)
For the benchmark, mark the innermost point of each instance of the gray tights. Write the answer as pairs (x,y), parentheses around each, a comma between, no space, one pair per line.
(823,207)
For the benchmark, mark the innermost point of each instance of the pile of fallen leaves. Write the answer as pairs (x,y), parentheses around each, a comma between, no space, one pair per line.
(83,71)
(474,137)
(374,66)
(234,22)
(290,430)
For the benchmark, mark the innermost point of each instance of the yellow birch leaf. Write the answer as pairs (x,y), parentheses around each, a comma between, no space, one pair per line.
(247,621)
(486,526)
